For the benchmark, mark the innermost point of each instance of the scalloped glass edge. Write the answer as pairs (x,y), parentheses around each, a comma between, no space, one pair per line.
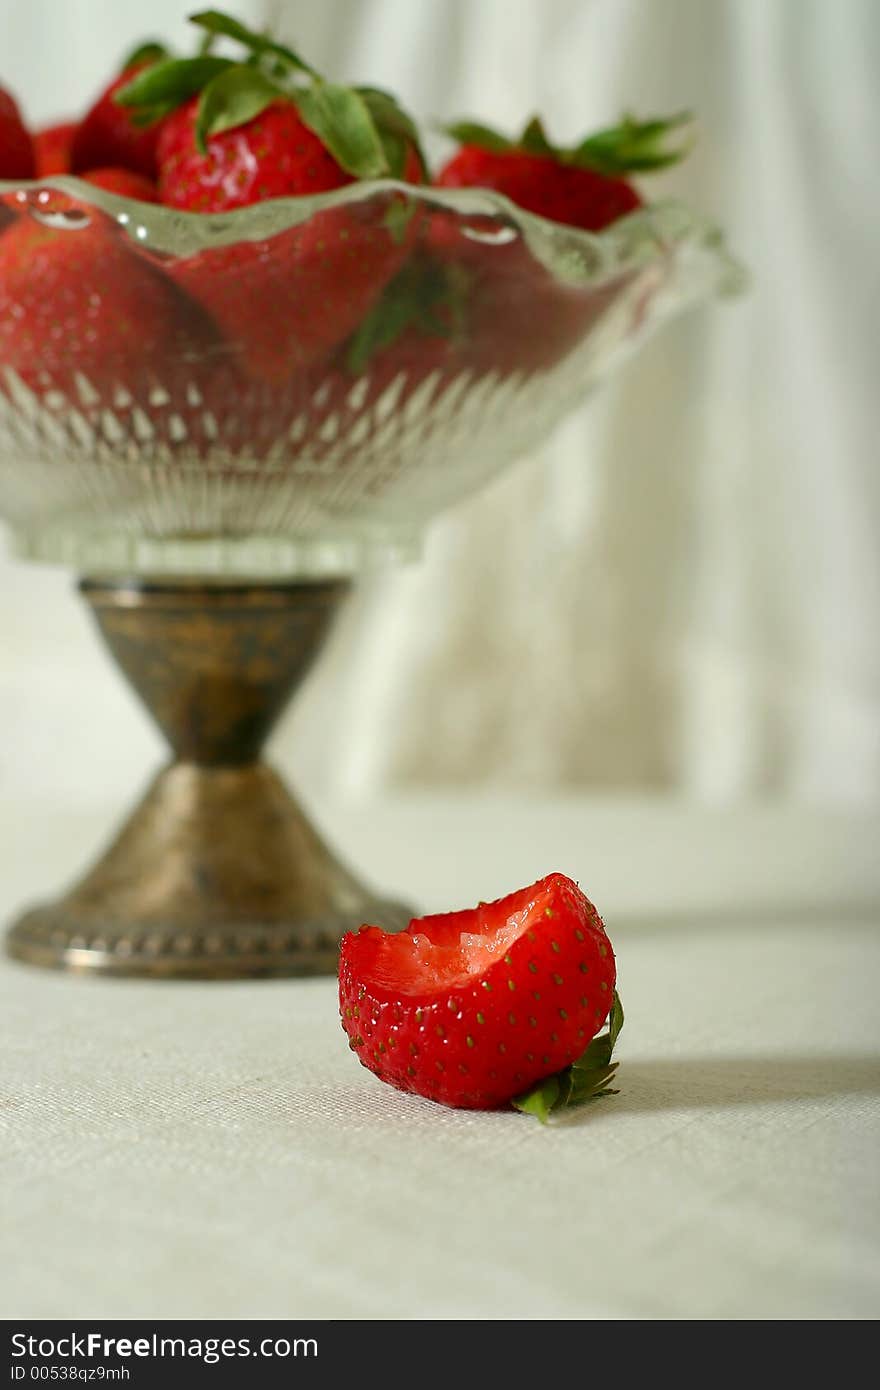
(576,257)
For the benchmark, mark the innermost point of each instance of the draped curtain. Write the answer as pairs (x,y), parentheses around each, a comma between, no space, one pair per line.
(679,591)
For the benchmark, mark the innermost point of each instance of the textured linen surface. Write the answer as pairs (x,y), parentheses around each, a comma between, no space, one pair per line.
(215,1150)
(683,589)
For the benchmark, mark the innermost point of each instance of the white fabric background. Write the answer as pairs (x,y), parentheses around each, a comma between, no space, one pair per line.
(682,591)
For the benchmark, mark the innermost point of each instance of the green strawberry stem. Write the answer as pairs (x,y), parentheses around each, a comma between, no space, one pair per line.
(219,25)
(631,147)
(151,51)
(585,1080)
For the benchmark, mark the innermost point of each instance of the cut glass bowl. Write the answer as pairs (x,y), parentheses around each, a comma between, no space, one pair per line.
(296,388)
(218,420)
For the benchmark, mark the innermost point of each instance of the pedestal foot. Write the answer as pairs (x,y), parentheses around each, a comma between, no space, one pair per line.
(217,873)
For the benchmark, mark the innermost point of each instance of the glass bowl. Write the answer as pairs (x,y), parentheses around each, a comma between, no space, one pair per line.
(219,419)
(296,388)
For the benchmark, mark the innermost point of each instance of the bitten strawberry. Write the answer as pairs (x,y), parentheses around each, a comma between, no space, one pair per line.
(52,149)
(16,146)
(109,136)
(240,136)
(480,1008)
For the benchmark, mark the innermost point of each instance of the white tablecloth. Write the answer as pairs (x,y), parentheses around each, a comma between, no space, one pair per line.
(215,1150)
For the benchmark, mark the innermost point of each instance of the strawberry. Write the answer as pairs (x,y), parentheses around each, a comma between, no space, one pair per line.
(414,358)
(517,316)
(524,320)
(407,338)
(329,412)
(461,305)
(237,133)
(124,184)
(578,196)
(521,316)
(512,313)
(583,186)
(52,149)
(274,155)
(479,1008)
(239,136)
(283,303)
(358,398)
(17,159)
(82,312)
(108,136)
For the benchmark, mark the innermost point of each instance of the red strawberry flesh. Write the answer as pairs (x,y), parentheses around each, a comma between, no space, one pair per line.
(563,193)
(281,303)
(586,185)
(17,160)
(542,185)
(472,1008)
(108,136)
(78,301)
(123,183)
(52,149)
(273,156)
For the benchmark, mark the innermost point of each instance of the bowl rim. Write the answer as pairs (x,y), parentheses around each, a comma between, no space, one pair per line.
(632,241)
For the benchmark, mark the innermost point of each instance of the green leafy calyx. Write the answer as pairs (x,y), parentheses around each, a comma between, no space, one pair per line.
(397,130)
(364,129)
(341,119)
(237,94)
(634,146)
(159,89)
(218,25)
(631,147)
(151,51)
(586,1079)
(424,297)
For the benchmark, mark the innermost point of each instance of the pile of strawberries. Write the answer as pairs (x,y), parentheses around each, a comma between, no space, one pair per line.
(94,311)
